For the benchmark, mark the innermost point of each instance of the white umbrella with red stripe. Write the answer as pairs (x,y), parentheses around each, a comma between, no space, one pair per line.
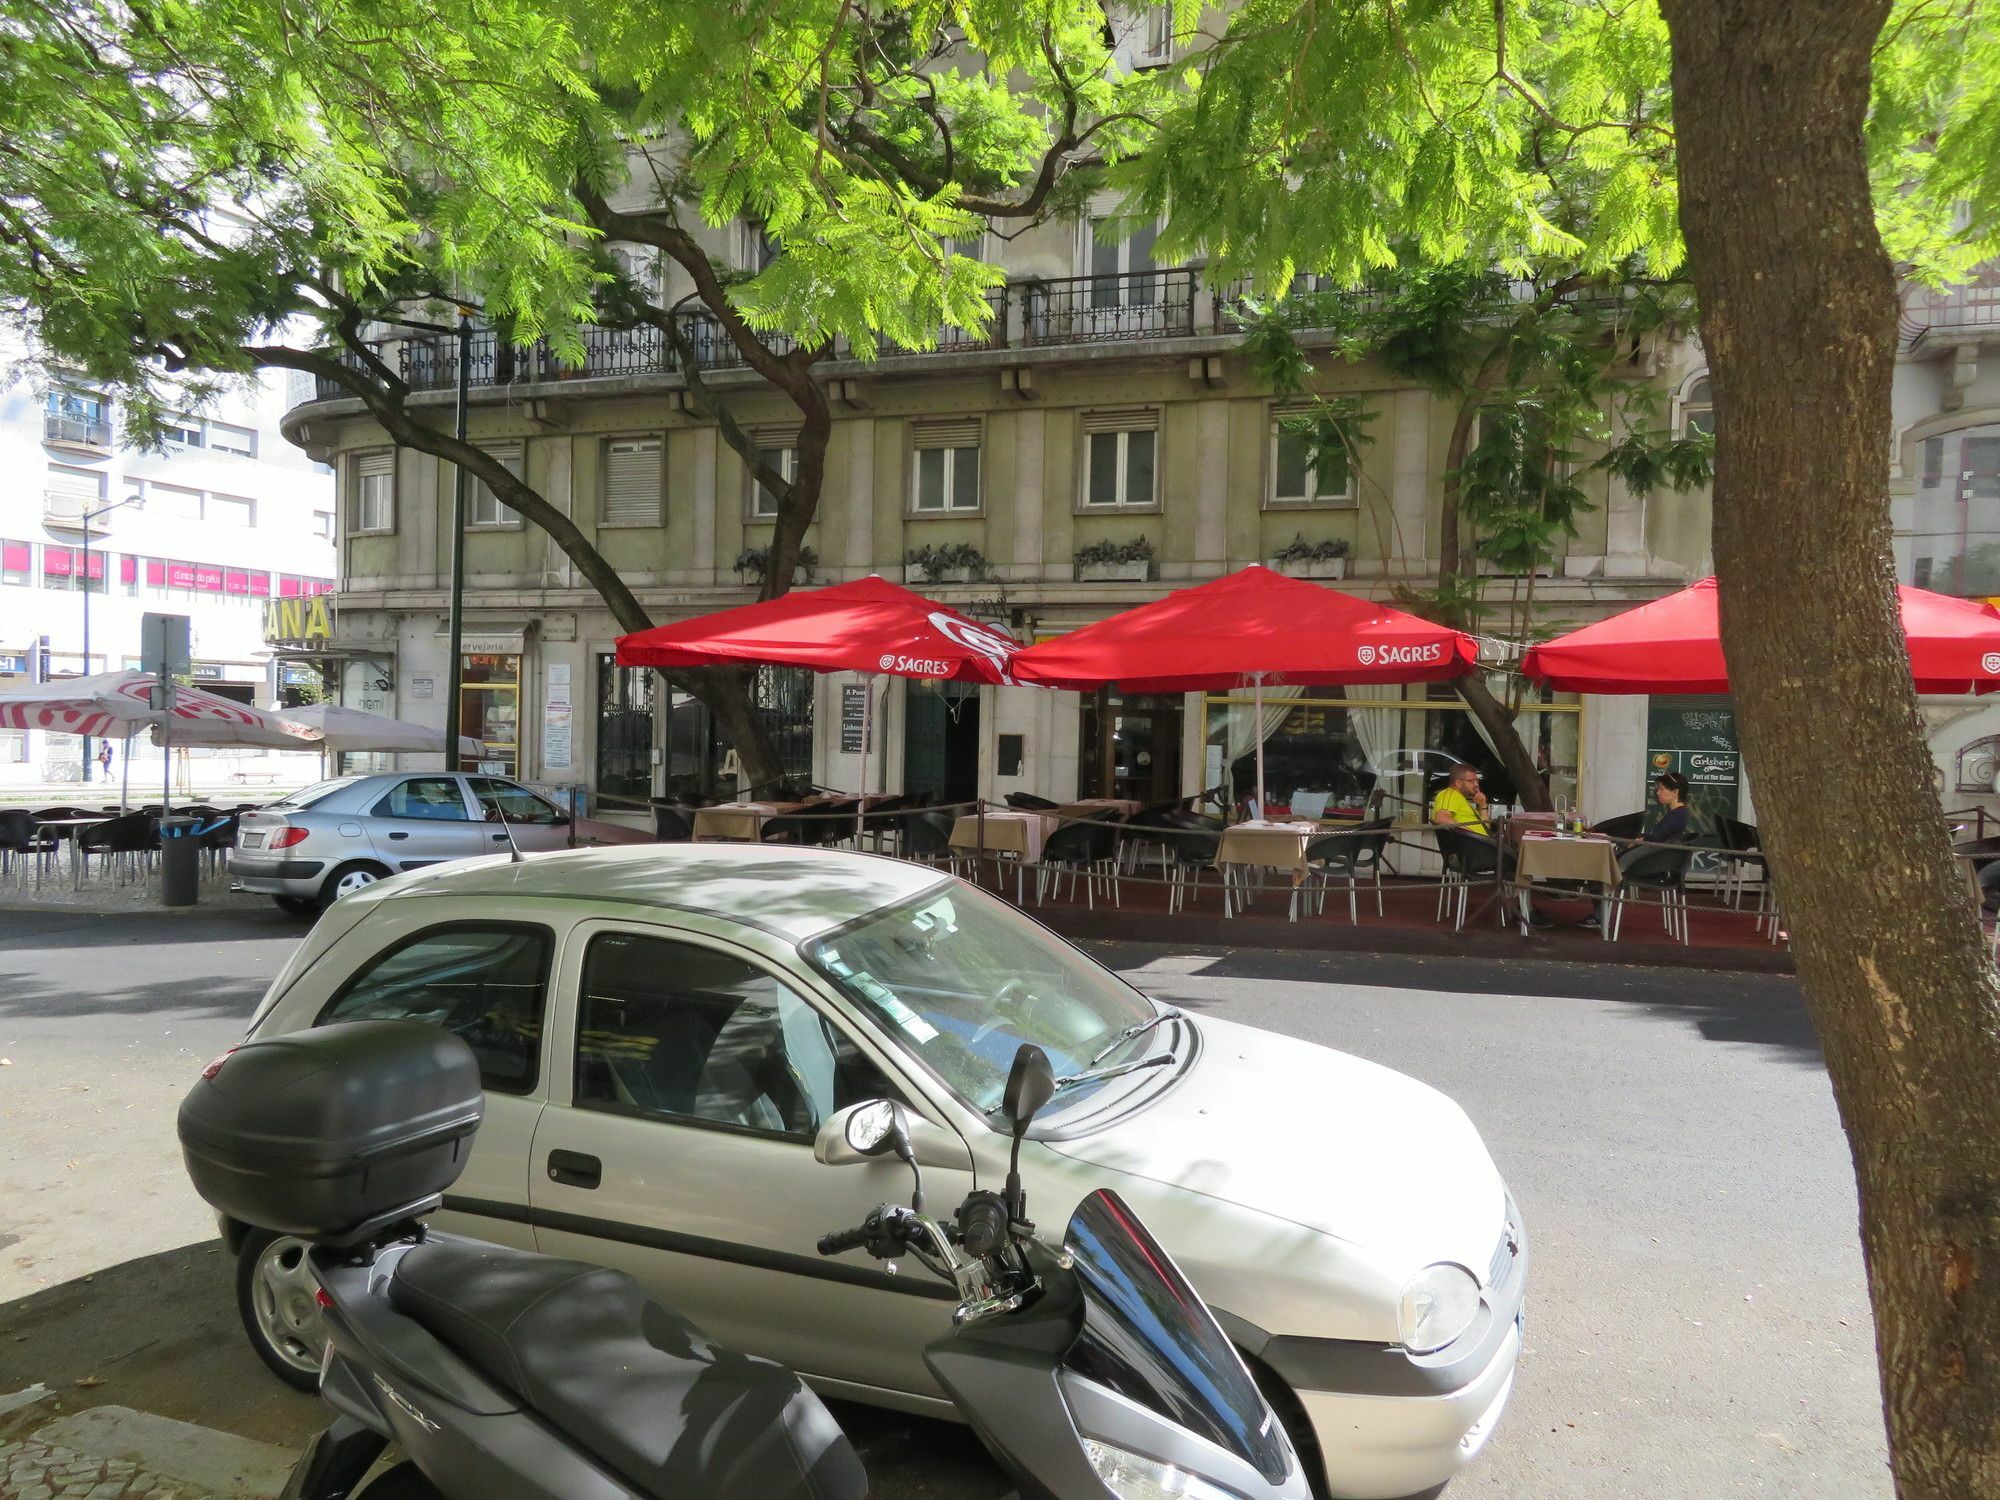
(117,703)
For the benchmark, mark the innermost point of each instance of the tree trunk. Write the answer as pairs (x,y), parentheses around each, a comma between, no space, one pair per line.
(1798,318)
(1529,784)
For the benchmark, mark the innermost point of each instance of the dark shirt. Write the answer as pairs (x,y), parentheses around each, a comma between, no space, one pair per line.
(1671,828)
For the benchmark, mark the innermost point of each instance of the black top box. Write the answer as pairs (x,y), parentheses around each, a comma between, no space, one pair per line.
(334,1133)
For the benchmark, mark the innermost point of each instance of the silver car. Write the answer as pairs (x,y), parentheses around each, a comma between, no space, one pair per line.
(672,1039)
(336,837)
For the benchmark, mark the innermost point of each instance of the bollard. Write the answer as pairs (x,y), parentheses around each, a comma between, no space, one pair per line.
(180,862)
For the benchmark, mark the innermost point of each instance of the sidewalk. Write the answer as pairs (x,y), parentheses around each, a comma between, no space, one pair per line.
(115,1453)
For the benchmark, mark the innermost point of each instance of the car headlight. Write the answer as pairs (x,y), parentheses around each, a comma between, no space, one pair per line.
(1438,1305)
(1132,1477)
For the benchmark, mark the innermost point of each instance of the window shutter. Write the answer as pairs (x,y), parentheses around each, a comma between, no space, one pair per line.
(374,465)
(1122,419)
(940,432)
(632,481)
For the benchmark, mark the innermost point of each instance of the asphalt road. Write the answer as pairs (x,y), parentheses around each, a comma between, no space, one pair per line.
(1697,1324)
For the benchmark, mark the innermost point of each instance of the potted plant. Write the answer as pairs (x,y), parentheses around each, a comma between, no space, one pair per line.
(947,562)
(1300,558)
(752,563)
(1115,562)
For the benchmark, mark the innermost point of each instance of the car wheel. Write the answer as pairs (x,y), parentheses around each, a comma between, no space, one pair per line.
(298,906)
(348,879)
(404,1482)
(275,1296)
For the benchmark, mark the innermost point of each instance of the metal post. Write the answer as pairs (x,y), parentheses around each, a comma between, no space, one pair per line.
(88,517)
(455,669)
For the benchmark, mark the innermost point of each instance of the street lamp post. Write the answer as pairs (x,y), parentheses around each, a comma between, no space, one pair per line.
(88,517)
(454,710)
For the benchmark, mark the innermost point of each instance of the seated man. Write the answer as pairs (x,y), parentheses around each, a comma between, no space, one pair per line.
(1460,803)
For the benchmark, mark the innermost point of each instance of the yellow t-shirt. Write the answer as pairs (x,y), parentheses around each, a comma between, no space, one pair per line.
(1451,801)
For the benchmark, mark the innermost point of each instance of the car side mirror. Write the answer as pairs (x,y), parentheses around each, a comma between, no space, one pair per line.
(876,1127)
(932,1145)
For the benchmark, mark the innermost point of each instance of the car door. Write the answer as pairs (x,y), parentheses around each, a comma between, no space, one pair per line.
(534,822)
(424,820)
(449,963)
(678,1146)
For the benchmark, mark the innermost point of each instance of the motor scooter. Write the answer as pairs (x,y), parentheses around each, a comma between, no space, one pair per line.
(1089,1368)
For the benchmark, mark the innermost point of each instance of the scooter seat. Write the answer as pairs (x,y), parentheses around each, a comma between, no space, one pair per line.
(639,1388)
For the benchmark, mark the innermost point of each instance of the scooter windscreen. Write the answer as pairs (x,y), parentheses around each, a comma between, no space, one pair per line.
(1149,1337)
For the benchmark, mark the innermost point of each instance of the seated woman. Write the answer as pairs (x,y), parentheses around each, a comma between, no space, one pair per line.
(1672,827)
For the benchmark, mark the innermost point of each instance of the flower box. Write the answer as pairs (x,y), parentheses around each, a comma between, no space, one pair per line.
(1324,567)
(1139,571)
(914,575)
(752,579)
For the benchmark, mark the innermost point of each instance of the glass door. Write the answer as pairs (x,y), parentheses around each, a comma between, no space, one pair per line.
(490,711)
(1131,748)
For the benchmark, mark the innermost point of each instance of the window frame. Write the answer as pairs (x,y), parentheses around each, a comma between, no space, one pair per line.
(1686,407)
(358,493)
(917,510)
(1347,498)
(586,936)
(506,518)
(605,520)
(551,942)
(754,492)
(466,803)
(1086,506)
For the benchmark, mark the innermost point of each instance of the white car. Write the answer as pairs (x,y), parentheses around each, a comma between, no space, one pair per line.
(672,1036)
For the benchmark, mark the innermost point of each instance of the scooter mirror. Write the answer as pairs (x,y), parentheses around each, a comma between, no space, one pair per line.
(1031,1082)
(875,1128)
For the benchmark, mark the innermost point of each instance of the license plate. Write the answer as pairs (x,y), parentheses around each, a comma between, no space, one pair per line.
(253,841)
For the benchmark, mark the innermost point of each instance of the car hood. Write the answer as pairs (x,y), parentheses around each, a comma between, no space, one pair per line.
(1386,1164)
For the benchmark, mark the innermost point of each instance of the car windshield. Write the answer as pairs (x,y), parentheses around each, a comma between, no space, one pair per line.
(306,796)
(961,980)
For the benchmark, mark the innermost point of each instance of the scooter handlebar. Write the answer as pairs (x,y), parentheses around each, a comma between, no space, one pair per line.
(845,1239)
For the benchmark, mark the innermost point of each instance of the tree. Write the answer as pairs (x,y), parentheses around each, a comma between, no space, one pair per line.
(384,160)
(1534,370)
(1809,149)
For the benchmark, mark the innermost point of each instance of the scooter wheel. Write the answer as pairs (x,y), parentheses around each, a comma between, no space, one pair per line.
(404,1482)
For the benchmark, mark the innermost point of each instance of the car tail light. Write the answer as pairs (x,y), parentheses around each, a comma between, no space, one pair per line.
(216,1067)
(286,838)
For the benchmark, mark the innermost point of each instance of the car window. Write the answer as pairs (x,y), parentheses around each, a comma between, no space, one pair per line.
(689,1034)
(306,796)
(486,981)
(502,801)
(433,797)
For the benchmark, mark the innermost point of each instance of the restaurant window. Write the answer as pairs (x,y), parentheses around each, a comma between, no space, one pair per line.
(781,456)
(1130,747)
(1119,464)
(373,507)
(1698,408)
(1373,750)
(1295,479)
(626,699)
(490,710)
(944,465)
(487,509)
(633,481)
(17,563)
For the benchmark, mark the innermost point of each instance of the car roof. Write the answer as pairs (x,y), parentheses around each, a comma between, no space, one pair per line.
(791,892)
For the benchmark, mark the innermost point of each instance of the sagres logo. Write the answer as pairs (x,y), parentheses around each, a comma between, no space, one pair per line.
(888,662)
(1399,656)
(1990,662)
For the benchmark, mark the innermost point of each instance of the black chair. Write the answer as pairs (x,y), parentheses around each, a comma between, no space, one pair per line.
(1029,802)
(1624,826)
(1467,857)
(1189,851)
(926,837)
(129,841)
(790,828)
(672,823)
(884,819)
(832,822)
(22,843)
(218,837)
(1350,855)
(1662,870)
(1089,849)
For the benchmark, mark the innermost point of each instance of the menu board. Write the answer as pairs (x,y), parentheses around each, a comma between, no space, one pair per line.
(1697,738)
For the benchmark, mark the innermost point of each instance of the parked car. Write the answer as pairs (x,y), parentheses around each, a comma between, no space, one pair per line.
(336,837)
(671,1040)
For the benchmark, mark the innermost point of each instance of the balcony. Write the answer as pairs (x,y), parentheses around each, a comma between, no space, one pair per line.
(1103,309)
(65,510)
(74,430)
(1970,311)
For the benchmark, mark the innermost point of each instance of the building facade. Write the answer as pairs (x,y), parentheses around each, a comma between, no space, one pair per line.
(223,524)
(1105,442)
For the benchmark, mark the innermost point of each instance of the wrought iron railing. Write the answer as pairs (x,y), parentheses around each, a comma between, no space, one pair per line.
(1098,309)
(325,388)
(1961,307)
(951,339)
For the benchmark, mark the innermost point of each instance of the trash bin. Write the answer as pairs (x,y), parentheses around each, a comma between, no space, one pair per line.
(180,861)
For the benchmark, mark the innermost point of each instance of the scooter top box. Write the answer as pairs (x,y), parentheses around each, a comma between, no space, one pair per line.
(328,1132)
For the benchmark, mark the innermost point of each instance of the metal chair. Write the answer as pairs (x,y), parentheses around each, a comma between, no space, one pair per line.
(1189,851)
(1465,855)
(672,823)
(1624,826)
(22,843)
(1089,849)
(925,838)
(1029,802)
(1349,855)
(1663,870)
(129,842)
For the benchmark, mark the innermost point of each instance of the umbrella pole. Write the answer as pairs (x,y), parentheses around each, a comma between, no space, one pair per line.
(867,729)
(1257,697)
(125,782)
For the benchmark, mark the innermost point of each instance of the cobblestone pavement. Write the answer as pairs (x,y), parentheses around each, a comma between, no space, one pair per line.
(34,1470)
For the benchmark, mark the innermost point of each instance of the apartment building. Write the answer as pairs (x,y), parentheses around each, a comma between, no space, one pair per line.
(223,523)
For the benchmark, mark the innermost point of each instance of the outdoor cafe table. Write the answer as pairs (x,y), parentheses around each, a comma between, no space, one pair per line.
(1085,807)
(736,822)
(1585,859)
(1015,834)
(1260,845)
(70,831)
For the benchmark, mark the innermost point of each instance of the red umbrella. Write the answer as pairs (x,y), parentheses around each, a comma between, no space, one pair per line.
(867,626)
(1674,645)
(1250,628)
